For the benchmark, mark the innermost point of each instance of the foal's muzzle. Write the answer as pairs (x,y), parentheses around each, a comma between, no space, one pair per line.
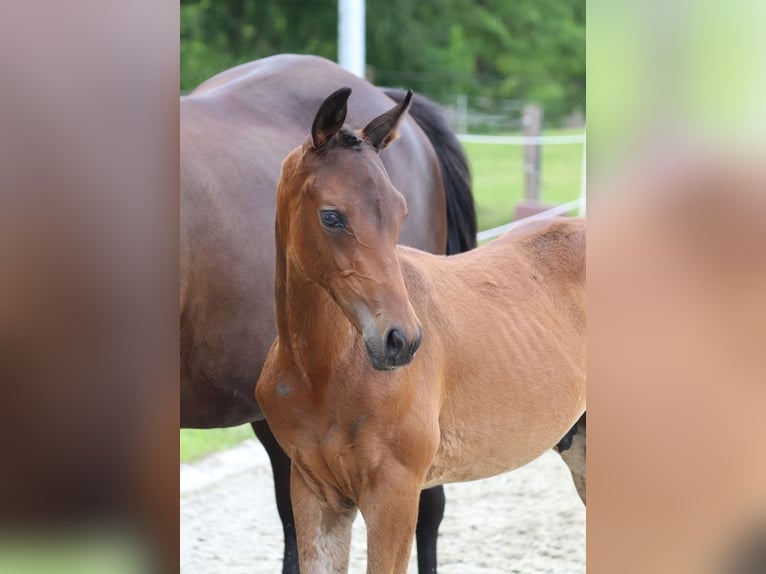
(394,350)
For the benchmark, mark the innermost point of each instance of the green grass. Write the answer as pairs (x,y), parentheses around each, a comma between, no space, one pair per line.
(196,443)
(498,184)
(498,177)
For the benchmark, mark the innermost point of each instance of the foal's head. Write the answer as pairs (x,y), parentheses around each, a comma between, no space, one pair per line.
(339,216)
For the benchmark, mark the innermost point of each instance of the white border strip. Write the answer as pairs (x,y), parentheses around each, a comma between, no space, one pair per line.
(523,140)
(558,210)
(583,180)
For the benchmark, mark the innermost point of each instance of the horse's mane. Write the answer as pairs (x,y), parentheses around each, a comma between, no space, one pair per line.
(461,215)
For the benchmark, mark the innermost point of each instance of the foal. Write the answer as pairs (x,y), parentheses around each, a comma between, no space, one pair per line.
(493,341)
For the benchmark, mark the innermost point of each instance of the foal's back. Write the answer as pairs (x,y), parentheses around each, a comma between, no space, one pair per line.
(504,331)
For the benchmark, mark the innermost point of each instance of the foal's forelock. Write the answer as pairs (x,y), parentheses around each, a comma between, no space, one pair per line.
(345,138)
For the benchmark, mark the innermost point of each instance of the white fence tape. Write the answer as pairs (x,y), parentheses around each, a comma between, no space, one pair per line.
(552,212)
(523,140)
(577,204)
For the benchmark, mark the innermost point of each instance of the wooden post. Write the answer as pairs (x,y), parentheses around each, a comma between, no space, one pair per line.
(532,121)
(461,114)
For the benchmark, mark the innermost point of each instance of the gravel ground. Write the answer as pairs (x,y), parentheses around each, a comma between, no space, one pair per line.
(529,521)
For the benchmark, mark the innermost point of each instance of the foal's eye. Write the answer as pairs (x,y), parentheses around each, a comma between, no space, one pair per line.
(332,219)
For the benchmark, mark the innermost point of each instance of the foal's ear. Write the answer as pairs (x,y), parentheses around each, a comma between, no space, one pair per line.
(330,117)
(382,130)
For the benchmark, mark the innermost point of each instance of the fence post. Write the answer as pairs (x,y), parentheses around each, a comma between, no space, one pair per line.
(532,121)
(461,114)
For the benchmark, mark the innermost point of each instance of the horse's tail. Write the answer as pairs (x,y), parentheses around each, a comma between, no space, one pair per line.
(461,215)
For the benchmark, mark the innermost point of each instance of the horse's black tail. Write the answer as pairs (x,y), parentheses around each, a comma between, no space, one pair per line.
(461,215)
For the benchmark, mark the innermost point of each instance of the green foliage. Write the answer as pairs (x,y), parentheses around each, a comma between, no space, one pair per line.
(531,50)
(219,34)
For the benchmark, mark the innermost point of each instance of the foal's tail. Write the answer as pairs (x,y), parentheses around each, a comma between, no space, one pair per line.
(461,215)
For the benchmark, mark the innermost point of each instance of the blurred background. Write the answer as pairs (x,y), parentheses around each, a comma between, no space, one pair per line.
(483,61)
(497,54)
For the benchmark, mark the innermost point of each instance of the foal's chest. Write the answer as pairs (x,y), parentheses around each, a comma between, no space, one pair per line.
(325,454)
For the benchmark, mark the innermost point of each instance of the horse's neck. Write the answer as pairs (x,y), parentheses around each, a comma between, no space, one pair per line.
(313,332)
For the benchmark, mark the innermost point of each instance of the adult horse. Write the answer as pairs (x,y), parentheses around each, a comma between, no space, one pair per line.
(235,130)
(395,369)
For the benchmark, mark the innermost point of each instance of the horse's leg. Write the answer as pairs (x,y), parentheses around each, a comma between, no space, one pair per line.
(280,468)
(390,510)
(572,450)
(430,514)
(323,529)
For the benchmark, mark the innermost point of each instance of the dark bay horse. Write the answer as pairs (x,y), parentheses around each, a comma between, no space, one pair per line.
(236,129)
(395,369)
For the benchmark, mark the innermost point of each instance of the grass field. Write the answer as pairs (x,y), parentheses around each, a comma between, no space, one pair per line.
(196,443)
(498,184)
(498,177)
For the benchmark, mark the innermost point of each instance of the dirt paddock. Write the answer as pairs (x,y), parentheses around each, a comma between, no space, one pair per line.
(529,521)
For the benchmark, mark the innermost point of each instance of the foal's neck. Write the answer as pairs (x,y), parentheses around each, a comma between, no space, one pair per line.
(314,334)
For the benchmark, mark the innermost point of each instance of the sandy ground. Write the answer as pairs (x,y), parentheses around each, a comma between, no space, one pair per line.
(529,521)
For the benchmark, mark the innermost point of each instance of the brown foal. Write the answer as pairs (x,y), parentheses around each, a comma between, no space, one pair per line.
(493,343)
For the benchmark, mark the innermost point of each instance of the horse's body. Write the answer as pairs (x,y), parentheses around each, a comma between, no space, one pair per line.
(235,130)
(493,343)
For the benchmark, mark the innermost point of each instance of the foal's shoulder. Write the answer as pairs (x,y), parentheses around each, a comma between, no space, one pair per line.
(554,233)
(416,266)
(558,244)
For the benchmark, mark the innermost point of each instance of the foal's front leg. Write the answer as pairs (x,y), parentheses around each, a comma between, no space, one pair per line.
(390,510)
(323,528)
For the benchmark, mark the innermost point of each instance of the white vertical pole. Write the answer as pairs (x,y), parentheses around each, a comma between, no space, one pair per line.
(351,36)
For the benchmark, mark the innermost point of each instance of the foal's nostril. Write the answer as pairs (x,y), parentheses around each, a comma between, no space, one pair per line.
(395,344)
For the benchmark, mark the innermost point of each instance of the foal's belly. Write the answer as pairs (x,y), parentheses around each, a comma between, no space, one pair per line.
(455,468)
(467,453)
